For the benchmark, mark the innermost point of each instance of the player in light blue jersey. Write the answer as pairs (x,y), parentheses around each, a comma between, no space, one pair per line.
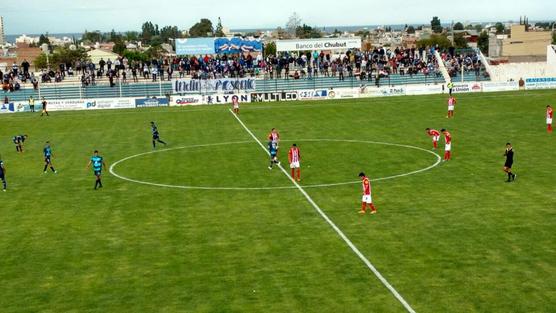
(47,151)
(98,163)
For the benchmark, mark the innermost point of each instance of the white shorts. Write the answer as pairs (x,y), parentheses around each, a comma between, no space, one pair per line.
(367,199)
(548,121)
(450,108)
(448,147)
(294,164)
(435,138)
(236,106)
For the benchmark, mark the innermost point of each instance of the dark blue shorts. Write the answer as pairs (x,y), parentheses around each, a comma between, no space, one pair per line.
(47,160)
(97,173)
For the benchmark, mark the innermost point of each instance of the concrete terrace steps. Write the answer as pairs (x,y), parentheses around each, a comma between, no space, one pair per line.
(149,89)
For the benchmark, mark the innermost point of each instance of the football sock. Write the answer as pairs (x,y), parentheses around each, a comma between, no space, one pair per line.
(162,142)
(299,174)
(45,167)
(372,207)
(154,144)
(4,183)
(435,144)
(293,174)
(363,206)
(96,184)
(52,168)
(549,128)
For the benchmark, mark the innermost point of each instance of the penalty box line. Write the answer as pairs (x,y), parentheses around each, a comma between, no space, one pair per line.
(340,233)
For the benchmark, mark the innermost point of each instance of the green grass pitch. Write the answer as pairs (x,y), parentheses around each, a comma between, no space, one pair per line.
(455,238)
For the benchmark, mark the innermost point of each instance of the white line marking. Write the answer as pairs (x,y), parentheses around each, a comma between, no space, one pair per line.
(113,166)
(329,221)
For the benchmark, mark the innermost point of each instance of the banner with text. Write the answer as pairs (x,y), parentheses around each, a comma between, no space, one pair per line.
(181,86)
(195,46)
(540,83)
(318,44)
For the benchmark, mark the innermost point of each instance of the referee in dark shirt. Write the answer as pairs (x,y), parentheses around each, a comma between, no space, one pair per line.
(509,154)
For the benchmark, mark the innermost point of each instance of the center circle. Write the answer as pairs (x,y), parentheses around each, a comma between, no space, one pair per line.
(256,148)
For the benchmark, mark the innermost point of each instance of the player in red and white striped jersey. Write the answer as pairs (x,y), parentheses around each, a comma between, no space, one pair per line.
(274,136)
(549,114)
(367,198)
(235,104)
(435,135)
(294,157)
(448,145)
(451,104)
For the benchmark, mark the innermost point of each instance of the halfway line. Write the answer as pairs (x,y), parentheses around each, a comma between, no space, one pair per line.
(331,223)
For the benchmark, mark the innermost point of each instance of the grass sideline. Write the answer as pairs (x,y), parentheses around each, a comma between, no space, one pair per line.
(452,239)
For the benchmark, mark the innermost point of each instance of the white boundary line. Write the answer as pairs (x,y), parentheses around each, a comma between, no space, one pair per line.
(113,172)
(336,228)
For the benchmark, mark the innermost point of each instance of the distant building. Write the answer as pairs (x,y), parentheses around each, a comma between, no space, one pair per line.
(521,45)
(2,37)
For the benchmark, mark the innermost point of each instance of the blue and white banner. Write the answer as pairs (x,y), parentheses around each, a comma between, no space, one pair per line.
(540,83)
(236,45)
(195,46)
(181,86)
(7,108)
(151,102)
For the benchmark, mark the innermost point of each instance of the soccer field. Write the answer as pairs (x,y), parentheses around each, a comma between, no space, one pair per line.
(203,225)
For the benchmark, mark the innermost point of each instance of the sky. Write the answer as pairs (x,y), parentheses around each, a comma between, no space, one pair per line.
(75,16)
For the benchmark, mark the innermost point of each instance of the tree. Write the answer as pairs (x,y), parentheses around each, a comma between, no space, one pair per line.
(219,31)
(119,47)
(499,28)
(91,37)
(148,30)
(44,40)
(554,39)
(388,29)
(270,48)
(458,26)
(293,23)
(460,41)
(203,28)
(482,42)
(440,41)
(306,31)
(132,36)
(61,55)
(169,32)
(479,28)
(410,30)
(436,25)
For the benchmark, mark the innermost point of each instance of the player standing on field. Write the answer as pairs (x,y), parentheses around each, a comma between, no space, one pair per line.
(47,151)
(367,198)
(294,157)
(18,141)
(273,151)
(3,175)
(549,118)
(448,145)
(44,103)
(451,104)
(98,163)
(435,135)
(274,136)
(156,135)
(509,154)
(235,104)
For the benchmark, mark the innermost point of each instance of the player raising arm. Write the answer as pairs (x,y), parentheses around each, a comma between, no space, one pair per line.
(549,114)
(98,163)
(509,154)
(435,135)
(294,157)
(367,198)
